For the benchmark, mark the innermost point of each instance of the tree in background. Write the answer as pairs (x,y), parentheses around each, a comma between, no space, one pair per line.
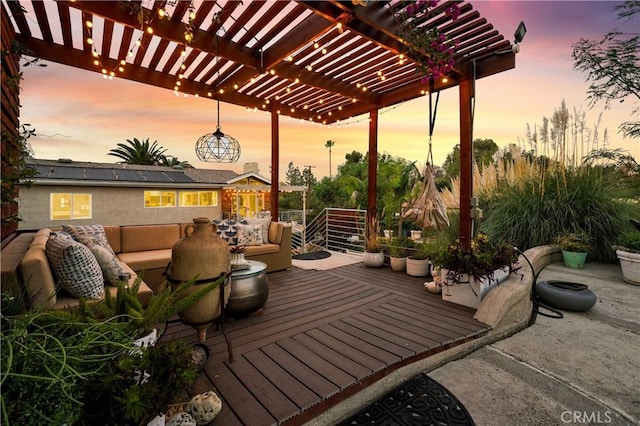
(144,152)
(612,66)
(139,152)
(483,151)
(295,177)
(171,161)
(329,144)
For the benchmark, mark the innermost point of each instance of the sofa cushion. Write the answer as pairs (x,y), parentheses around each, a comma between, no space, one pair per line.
(37,277)
(41,237)
(109,264)
(249,235)
(113,237)
(74,267)
(144,260)
(137,238)
(275,232)
(263,249)
(88,234)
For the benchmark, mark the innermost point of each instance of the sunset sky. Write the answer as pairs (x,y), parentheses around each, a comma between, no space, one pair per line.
(80,115)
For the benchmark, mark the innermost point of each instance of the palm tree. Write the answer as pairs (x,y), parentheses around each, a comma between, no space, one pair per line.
(329,144)
(139,152)
(171,161)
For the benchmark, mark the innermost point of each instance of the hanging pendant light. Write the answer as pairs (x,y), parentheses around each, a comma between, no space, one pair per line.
(217,146)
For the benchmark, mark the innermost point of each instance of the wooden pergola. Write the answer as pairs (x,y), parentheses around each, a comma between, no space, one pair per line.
(322,61)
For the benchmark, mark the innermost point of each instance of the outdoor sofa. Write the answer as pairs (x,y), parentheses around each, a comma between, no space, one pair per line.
(143,250)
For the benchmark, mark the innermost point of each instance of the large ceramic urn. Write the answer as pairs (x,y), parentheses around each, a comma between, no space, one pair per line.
(203,256)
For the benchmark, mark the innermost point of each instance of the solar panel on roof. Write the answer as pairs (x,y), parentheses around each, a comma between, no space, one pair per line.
(76,173)
(129,175)
(154,176)
(100,174)
(178,177)
(41,170)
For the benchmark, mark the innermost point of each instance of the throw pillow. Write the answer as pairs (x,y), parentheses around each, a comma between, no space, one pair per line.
(109,264)
(249,235)
(227,229)
(88,235)
(74,267)
(264,223)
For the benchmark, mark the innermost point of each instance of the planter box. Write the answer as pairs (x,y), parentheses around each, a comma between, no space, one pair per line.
(469,292)
(630,264)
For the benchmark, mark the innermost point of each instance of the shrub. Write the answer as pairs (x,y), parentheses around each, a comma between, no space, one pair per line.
(554,200)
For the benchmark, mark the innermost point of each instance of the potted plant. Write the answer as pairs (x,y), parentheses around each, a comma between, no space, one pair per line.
(627,249)
(142,383)
(236,256)
(419,259)
(468,272)
(141,321)
(373,255)
(398,253)
(575,248)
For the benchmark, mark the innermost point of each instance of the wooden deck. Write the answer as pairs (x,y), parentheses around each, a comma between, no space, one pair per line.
(323,336)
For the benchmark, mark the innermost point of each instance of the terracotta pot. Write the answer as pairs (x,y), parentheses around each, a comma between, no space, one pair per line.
(202,255)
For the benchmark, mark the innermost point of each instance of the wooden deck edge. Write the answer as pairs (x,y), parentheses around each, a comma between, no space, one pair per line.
(316,410)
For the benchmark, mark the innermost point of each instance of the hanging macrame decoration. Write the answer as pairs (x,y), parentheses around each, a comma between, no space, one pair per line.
(428,211)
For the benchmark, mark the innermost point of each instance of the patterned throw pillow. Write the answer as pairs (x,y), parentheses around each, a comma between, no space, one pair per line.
(88,235)
(227,229)
(264,223)
(74,267)
(249,235)
(109,264)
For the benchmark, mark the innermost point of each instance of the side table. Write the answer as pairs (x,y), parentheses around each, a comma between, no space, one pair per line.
(249,289)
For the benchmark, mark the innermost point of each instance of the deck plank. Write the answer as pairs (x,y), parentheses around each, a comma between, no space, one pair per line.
(319,336)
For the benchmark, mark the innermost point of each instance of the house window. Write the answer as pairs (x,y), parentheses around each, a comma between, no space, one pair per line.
(159,199)
(198,198)
(70,206)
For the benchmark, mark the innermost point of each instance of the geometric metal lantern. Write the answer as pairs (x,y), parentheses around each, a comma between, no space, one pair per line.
(217,146)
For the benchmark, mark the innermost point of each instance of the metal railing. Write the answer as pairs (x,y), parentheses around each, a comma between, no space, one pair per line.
(340,230)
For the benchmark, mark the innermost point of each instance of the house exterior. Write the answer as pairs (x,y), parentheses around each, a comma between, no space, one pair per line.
(83,193)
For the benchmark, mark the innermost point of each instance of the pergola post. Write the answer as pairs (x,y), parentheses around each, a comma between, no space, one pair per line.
(372,172)
(275,163)
(467,92)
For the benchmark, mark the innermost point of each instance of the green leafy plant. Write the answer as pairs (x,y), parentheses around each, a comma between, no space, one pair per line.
(399,246)
(479,259)
(628,241)
(550,200)
(140,385)
(577,243)
(48,358)
(125,307)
